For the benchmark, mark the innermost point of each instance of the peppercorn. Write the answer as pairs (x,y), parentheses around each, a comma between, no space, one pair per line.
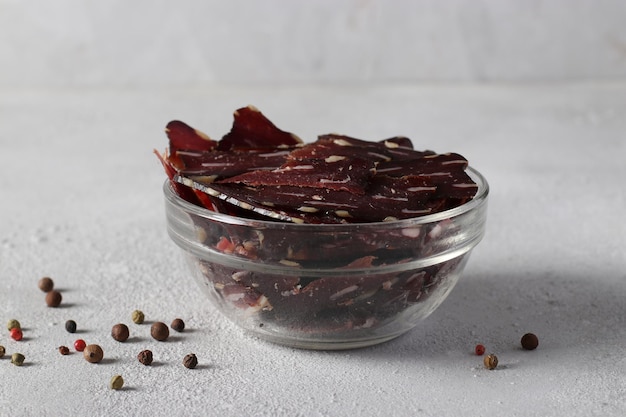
(529,341)
(93,353)
(2,351)
(145,357)
(79,345)
(12,324)
(479,350)
(117,382)
(138,317)
(120,332)
(64,350)
(70,326)
(190,361)
(46,284)
(178,325)
(491,361)
(17,359)
(159,331)
(16,334)
(54,298)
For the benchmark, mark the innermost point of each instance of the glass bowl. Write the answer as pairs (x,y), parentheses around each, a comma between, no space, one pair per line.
(327,286)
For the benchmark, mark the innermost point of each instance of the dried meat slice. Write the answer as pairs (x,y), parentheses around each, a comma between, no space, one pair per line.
(184,137)
(222,164)
(252,130)
(340,174)
(385,151)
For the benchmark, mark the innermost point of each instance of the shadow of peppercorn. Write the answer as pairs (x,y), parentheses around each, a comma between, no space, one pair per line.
(565,309)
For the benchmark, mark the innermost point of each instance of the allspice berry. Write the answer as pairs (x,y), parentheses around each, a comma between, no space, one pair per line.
(120,332)
(159,331)
(529,341)
(117,382)
(54,298)
(2,351)
(17,359)
(138,317)
(178,325)
(190,361)
(64,350)
(46,284)
(145,357)
(93,353)
(491,361)
(13,324)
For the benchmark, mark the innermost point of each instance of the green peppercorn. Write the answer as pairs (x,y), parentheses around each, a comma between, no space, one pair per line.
(17,359)
(117,382)
(13,324)
(491,361)
(138,317)
(2,351)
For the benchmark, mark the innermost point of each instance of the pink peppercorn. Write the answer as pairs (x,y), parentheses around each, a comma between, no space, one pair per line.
(16,334)
(479,350)
(80,345)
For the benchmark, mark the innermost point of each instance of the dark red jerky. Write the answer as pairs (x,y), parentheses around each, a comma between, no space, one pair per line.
(403,198)
(374,151)
(184,137)
(223,164)
(252,130)
(345,174)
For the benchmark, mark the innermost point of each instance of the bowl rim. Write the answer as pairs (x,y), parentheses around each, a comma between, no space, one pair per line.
(479,199)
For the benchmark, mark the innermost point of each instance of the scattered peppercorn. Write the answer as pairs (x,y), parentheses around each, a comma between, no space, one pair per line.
(120,332)
(54,298)
(70,326)
(17,359)
(138,317)
(93,353)
(530,341)
(491,361)
(2,351)
(46,284)
(178,325)
(64,350)
(159,331)
(79,345)
(117,382)
(479,350)
(16,334)
(190,361)
(12,324)
(145,357)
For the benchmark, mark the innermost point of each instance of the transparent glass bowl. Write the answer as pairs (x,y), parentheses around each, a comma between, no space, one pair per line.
(327,286)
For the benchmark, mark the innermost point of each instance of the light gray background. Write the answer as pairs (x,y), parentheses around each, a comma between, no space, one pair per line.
(150,43)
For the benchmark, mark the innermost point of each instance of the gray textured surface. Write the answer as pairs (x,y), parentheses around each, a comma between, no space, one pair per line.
(81,202)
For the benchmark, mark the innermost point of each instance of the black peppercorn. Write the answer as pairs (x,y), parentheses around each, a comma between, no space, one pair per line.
(529,341)
(70,326)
